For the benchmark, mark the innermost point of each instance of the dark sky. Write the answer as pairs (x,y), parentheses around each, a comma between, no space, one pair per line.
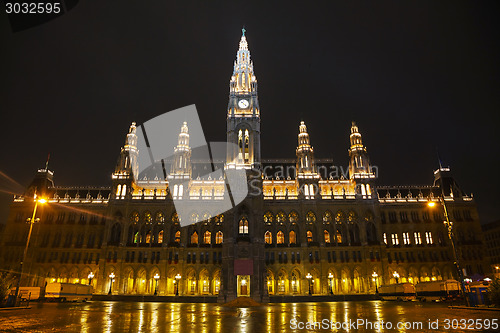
(413,74)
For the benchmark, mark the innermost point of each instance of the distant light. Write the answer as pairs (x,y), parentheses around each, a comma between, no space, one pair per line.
(42,200)
(431,204)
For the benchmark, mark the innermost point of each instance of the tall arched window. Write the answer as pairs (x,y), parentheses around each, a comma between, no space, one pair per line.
(243,226)
(148,237)
(178,236)
(194,238)
(292,237)
(219,237)
(339,237)
(309,235)
(327,237)
(268,237)
(207,237)
(160,237)
(280,237)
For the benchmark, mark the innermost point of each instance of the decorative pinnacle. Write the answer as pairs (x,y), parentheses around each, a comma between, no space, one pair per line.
(243,31)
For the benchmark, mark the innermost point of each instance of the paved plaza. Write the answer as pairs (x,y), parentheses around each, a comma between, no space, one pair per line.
(280,317)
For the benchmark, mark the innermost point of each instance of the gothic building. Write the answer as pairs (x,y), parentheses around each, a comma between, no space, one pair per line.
(302,229)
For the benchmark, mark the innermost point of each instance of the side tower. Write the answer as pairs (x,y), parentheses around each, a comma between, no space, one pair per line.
(127,166)
(243,112)
(307,175)
(360,170)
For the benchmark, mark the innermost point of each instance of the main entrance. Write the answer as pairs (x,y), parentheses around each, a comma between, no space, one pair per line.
(243,285)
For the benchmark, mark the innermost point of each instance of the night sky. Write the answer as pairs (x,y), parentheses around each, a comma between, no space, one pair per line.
(414,75)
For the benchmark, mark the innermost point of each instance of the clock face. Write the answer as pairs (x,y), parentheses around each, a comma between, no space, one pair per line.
(243,103)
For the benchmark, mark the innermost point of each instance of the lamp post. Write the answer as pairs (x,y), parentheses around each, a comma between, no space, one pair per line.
(309,278)
(330,280)
(396,276)
(375,278)
(112,279)
(30,221)
(156,277)
(90,277)
(451,236)
(176,283)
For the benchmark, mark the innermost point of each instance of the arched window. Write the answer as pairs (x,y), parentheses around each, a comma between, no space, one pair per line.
(148,218)
(280,237)
(160,237)
(268,237)
(292,237)
(178,236)
(327,217)
(134,217)
(175,218)
(327,237)
(309,235)
(243,226)
(136,237)
(194,218)
(118,189)
(339,217)
(310,217)
(148,237)
(194,238)
(268,217)
(218,237)
(281,217)
(160,218)
(293,217)
(207,237)
(339,237)
(181,190)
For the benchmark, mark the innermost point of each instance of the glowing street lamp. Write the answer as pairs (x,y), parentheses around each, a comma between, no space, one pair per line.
(330,279)
(112,279)
(396,276)
(156,277)
(31,220)
(309,278)
(176,284)
(90,277)
(375,279)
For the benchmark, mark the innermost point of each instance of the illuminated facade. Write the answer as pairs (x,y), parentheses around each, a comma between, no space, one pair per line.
(303,229)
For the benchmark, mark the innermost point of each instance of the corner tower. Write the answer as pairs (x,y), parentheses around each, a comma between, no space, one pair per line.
(243,112)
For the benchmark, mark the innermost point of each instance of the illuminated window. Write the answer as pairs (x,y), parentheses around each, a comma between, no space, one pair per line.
(395,239)
(160,218)
(281,217)
(351,217)
(293,217)
(181,190)
(148,237)
(175,218)
(207,237)
(268,217)
(339,236)
(280,237)
(136,237)
(194,238)
(418,239)
(293,237)
(406,238)
(134,217)
(310,217)
(218,237)
(160,237)
(327,237)
(309,235)
(428,237)
(195,218)
(327,217)
(339,217)
(147,217)
(178,236)
(243,226)
(385,238)
(268,237)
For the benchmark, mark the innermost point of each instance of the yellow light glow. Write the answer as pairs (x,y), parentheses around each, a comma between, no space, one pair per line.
(42,200)
(431,204)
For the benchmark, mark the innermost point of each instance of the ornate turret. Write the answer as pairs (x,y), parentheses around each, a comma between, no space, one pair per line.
(305,154)
(181,164)
(127,168)
(359,164)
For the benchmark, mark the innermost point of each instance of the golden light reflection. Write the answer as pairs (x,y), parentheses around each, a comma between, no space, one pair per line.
(109,321)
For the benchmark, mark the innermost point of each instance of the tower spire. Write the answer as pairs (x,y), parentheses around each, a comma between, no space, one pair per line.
(304,152)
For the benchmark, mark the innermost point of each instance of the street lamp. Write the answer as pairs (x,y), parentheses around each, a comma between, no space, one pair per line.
(90,277)
(309,278)
(156,277)
(330,279)
(112,279)
(30,221)
(375,278)
(176,284)
(451,236)
(396,276)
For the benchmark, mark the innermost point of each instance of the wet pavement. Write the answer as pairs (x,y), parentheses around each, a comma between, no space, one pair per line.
(280,317)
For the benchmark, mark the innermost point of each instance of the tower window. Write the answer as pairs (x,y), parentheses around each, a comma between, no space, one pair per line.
(207,237)
(327,237)
(243,226)
(292,237)
(280,237)
(268,237)
(218,237)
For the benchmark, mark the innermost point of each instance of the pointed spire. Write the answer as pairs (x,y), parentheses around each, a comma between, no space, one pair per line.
(356,141)
(304,141)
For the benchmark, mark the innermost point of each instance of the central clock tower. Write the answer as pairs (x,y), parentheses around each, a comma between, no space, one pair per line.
(243,113)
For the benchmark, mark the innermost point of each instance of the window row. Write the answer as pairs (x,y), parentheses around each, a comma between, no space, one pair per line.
(327,217)
(418,238)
